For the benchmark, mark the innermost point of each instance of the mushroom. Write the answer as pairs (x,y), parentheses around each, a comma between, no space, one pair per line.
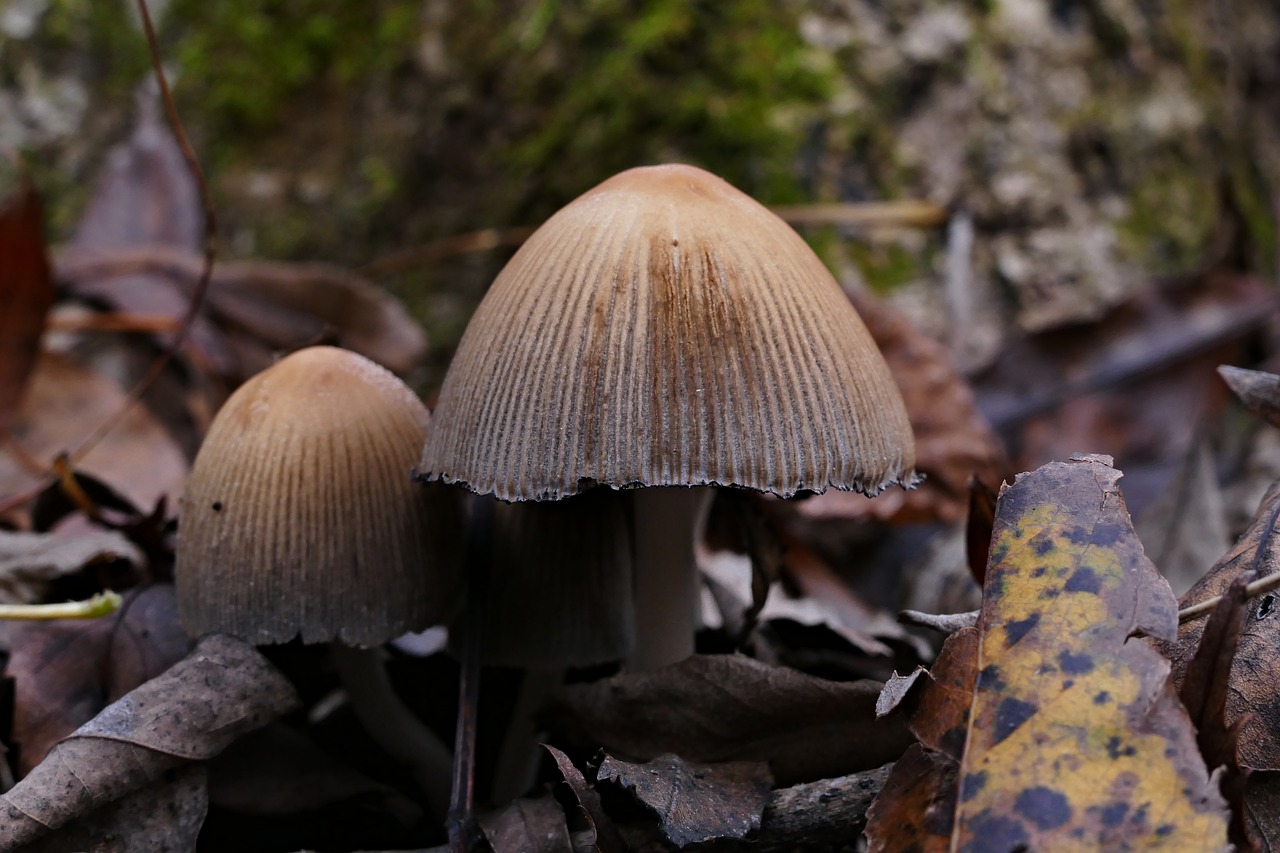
(300,520)
(665,332)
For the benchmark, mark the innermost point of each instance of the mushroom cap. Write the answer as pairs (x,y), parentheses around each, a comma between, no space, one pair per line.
(666,329)
(300,516)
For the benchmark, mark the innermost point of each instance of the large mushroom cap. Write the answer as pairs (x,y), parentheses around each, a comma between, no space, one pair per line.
(666,329)
(300,516)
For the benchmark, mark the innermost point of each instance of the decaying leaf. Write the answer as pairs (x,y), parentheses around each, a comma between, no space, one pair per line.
(527,826)
(163,816)
(66,671)
(1258,390)
(1204,692)
(954,442)
(222,690)
(714,708)
(64,402)
(696,802)
(28,561)
(915,808)
(1253,700)
(607,837)
(1066,731)
(26,294)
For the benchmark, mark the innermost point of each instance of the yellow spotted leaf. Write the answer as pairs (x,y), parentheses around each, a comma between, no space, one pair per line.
(1064,728)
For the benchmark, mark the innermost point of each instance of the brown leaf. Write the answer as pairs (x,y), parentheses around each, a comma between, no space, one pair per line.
(64,403)
(1065,730)
(954,442)
(1258,390)
(193,711)
(913,810)
(66,671)
(713,708)
(1204,692)
(29,561)
(527,826)
(26,294)
(163,816)
(696,802)
(607,838)
(263,307)
(1254,697)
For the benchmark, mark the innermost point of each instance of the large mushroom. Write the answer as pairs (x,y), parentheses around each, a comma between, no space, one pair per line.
(300,520)
(665,332)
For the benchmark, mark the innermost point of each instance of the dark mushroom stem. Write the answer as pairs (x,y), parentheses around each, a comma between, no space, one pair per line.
(463,828)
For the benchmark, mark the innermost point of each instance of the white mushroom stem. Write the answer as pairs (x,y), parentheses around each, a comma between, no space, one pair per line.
(669,521)
(518,760)
(393,726)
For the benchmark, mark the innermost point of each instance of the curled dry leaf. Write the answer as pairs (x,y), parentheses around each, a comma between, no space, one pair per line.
(193,711)
(26,294)
(1258,390)
(1064,730)
(713,708)
(607,837)
(1204,692)
(28,561)
(954,442)
(1253,700)
(696,802)
(915,808)
(66,671)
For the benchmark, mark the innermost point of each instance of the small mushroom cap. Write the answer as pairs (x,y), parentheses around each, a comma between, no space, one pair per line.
(667,329)
(300,516)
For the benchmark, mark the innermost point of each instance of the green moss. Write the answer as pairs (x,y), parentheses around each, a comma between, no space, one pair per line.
(886,266)
(249,57)
(1171,218)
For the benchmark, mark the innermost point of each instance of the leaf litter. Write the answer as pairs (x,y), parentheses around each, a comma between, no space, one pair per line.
(1063,728)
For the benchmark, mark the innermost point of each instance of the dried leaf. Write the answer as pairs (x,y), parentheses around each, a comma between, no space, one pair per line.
(67,671)
(1204,692)
(1065,730)
(895,690)
(64,402)
(1259,391)
(914,809)
(713,708)
(954,442)
(696,802)
(1254,697)
(26,294)
(527,826)
(163,816)
(193,711)
(28,561)
(607,838)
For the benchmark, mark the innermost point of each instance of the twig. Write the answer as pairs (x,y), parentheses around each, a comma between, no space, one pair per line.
(947,623)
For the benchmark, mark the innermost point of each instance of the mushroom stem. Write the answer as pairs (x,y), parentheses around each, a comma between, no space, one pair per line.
(392,725)
(669,521)
(518,760)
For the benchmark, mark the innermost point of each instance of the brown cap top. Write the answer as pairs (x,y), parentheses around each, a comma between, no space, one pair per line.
(300,516)
(666,329)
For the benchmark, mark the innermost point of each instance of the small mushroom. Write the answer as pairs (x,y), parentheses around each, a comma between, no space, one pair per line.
(300,520)
(665,332)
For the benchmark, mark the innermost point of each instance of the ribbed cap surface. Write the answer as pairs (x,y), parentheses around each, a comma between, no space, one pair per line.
(666,329)
(300,516)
